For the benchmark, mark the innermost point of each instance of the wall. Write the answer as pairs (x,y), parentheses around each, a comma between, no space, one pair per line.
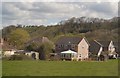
(111,47)
(83,49)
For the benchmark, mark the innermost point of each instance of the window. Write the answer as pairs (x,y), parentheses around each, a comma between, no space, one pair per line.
(79,55)
(62,45)
(69,46)
(63,55)
(73,55)
(70,55)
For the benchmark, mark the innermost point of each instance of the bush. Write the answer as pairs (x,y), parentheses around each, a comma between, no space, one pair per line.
(93,57)
(20,57)
(55,58)
(5,58)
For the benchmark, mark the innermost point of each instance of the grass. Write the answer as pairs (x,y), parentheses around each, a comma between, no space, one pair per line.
(60,68)
(0,68)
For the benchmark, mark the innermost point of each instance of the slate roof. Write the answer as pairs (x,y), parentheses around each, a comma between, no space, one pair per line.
(117,47)
(38,40)
(105,45)
(69,40)
(94,47)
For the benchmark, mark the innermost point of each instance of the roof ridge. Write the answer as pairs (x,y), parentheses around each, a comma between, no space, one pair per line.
(98,42)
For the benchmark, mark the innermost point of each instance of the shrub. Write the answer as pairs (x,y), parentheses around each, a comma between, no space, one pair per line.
(20,57)
(5,58)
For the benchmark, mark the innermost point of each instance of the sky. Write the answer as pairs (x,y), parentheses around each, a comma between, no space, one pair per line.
(50,13)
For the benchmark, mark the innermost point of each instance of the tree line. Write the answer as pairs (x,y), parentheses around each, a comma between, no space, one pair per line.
(18,35)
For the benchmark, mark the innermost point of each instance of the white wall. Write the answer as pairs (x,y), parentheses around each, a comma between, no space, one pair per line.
(111,47)
(9,53)
(30,54)
(101,49)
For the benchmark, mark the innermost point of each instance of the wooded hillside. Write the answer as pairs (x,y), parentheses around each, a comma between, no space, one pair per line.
(91,28)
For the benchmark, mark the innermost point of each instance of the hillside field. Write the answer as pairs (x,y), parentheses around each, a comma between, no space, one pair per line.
(60,68)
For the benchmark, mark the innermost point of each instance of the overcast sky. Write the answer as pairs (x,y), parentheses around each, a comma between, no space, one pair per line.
(46,13)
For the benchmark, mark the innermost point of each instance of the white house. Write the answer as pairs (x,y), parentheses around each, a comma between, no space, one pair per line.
(8,53)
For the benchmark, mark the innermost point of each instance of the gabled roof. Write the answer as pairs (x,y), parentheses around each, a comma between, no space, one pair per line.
(38,40)
(117,46)
(105,45)
(87,41)
(69,51)
(69,40)
(94,47)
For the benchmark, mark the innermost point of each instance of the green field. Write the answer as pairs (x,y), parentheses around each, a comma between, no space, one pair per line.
(60,68)
(0,68)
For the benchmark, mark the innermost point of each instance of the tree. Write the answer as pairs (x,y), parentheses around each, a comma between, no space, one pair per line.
(18,37)
(45,49)
(7,30)
(33,47)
